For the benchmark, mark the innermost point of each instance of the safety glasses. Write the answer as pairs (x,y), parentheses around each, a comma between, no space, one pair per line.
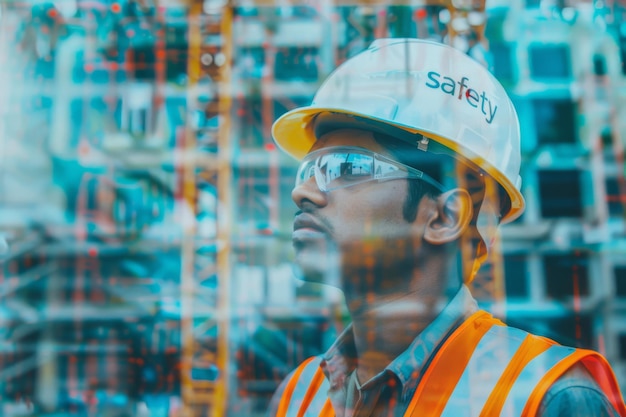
(345,166)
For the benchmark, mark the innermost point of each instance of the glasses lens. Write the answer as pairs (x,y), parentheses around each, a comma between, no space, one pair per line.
(305,171)
(336,169)
(339,165)
(343,167)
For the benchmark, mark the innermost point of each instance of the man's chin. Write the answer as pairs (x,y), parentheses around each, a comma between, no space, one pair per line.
(320,268)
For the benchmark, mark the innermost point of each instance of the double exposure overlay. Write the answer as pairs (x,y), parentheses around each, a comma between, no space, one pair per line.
(148,260)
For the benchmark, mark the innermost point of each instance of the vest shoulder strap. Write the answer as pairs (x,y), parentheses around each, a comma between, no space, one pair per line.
(448,365)
(495,364)
(486,368)
(597,366)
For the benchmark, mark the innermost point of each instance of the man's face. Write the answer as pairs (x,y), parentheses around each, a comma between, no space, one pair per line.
(353,229)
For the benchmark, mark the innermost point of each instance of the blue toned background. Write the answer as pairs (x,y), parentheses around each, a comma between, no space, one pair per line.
(148,213)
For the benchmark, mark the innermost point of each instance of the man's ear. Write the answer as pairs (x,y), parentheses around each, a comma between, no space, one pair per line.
(450,218)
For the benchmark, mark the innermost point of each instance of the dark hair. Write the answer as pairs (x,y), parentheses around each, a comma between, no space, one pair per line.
(416,190)
(431,164)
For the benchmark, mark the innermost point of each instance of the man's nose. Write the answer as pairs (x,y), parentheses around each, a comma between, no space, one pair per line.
(309,191)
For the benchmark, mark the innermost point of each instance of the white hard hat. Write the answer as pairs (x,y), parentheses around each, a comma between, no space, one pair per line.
(414,86)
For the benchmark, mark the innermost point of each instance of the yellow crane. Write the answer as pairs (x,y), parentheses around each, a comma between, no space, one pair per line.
(202,397)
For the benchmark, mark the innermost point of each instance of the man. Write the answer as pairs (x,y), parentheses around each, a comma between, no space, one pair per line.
(410,151)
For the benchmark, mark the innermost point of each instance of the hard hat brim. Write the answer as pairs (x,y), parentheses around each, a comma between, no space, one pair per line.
(294,132)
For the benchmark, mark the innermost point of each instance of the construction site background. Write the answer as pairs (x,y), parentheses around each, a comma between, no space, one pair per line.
(148,213)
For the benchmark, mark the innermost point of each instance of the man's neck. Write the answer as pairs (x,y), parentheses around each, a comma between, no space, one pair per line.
(385,324)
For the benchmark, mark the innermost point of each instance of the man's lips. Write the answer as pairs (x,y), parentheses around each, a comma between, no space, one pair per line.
(307,226)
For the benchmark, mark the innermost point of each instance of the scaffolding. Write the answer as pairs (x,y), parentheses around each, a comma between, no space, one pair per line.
(201,397)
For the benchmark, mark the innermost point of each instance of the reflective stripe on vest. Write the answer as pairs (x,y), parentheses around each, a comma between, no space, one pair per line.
(306,392)
(483,369)
(448,365)
(529,378)
(487,364)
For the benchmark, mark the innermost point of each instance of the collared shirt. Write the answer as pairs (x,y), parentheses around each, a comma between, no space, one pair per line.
(389,393)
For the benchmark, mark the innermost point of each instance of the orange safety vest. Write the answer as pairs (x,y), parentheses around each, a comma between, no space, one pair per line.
(483,369)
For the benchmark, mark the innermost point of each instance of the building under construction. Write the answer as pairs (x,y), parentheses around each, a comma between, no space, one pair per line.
(148,212)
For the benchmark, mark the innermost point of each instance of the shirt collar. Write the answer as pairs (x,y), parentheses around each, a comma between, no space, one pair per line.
(341,359)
